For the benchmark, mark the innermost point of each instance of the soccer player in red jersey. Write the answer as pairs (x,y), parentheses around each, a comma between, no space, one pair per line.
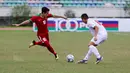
(42,33)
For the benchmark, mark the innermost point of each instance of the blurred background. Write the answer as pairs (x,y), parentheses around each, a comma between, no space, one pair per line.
(15,11)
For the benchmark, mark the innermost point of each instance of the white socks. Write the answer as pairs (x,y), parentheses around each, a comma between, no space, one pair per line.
(88,55)
(92,49)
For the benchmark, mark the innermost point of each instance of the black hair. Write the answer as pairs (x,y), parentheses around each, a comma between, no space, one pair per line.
(84,15)
(45,9)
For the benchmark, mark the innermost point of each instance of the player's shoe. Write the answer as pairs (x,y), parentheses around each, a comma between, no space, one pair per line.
(82,62)
(99,60)
(32,44)
(56,57)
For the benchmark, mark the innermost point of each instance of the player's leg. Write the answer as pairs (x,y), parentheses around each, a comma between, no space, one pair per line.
(86,58)
(49,47)
(36,43)
(92,49)
(88,55)
(92,45)
(100,41)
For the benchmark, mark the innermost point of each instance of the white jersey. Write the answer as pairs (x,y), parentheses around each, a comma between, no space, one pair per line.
(92,23)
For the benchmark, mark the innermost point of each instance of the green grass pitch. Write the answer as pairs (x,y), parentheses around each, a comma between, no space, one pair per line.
(15,57)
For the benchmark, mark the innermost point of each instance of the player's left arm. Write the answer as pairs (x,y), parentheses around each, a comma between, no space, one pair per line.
(96,32)
(56,16)
(94,24)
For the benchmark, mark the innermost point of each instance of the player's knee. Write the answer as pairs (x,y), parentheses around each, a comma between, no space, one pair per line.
(47,43)
(91,43)
(90,46)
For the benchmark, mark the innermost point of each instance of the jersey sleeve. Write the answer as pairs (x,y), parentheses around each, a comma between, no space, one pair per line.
(93,24)
(50,15)
(33,19)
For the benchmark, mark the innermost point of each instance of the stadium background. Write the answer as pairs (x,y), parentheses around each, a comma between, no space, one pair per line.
(70,8)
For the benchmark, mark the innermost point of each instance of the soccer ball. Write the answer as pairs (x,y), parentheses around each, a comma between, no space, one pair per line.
(70,58)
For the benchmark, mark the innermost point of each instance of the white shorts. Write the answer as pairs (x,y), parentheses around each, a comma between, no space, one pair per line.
(100,39)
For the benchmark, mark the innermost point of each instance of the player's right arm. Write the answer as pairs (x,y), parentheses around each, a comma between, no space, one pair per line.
(26,22)
(23,23)
(93,24)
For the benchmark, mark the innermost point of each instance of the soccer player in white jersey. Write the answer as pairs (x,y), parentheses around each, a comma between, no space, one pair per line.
(99,34)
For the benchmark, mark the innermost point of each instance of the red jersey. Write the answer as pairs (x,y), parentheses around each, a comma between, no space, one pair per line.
(41,23)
